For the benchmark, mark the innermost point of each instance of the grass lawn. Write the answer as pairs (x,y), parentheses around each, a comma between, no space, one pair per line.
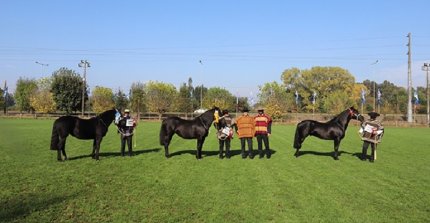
(147,187)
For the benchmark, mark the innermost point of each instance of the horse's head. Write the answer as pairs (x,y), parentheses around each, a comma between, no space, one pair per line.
(353,113)
(217,113)
(117,116)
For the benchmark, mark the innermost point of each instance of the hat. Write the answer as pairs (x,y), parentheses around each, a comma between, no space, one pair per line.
(245,110)
(373,115)
(127,111)
(260,109)
(225,111)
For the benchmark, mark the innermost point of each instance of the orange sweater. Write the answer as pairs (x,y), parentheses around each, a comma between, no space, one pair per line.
(246,126)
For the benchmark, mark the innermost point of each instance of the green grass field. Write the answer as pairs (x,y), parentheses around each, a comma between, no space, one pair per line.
(147,187)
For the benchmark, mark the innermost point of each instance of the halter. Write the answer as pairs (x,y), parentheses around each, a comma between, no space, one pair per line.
(351,112)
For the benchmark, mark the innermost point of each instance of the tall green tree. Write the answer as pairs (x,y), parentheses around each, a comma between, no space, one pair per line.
(185,103)
(24,89)
(121,100)
(198,93)
(324,81)
(137,97)
(42,99)
(2,98)
(67,90)
(275,99)
(102,99)
(160,97)
(219,97)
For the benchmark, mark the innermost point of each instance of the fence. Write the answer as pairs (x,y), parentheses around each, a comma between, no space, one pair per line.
(287,118)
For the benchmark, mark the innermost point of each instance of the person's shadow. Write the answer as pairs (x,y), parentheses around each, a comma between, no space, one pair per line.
(216,153)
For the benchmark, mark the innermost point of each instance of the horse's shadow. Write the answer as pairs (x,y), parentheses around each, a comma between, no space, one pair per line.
(215,152)
(114,154)
(315,153)
(194,152)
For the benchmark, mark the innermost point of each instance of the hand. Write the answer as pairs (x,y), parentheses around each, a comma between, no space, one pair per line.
(268,134)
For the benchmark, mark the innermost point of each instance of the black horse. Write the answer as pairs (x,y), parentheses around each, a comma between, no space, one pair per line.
(332,130)
(93,128)
(197,128)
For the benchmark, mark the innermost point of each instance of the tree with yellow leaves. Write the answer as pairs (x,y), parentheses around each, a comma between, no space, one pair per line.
(102,99)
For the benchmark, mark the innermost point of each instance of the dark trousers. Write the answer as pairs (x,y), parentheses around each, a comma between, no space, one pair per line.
(242,147)
(260,140)
(227,147)
(128,140)
(364,152)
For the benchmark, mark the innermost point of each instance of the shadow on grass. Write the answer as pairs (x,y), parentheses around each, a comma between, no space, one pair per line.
(215,153)
(109,154)
(23,205)
(315,153)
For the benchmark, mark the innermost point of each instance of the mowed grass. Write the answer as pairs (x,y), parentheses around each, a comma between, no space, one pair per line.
(147,187)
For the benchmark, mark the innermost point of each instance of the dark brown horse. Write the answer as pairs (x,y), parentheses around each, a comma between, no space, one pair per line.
(197,128)
(94,128)
(331,130)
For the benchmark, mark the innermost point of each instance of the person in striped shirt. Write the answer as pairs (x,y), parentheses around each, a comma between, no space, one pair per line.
(263,129)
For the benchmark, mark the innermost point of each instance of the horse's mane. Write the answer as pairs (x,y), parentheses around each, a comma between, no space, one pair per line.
(207,112)
(104,114)
(337,117)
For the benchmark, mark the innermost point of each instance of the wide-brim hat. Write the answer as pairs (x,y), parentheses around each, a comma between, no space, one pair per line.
(225,111)
(127,111)
(245,110)
(373,114)
(260,109)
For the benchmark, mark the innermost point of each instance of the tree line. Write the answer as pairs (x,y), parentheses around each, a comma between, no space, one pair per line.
(318,89)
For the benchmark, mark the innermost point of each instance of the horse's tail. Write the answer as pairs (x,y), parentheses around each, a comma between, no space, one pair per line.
(302,131)
(163,132)
(54,137)
(297,143)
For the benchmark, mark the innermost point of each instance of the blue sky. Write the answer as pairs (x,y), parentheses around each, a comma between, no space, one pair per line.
(242,44)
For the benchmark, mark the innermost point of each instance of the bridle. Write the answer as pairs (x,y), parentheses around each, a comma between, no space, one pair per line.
(351,113)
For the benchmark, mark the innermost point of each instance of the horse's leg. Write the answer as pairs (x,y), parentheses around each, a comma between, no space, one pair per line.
(61,148)
(336,149)
(167,140)
(99,140)
(199,147)
(299,138)
(94,149)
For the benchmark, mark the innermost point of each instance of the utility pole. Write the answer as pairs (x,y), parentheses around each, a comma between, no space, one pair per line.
(426,67)
(409,79)
(84,64)
(201,88)
(374,87)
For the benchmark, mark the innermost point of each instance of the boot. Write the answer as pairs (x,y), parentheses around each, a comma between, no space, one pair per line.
(227,153)
(268,153)
(220,153)
(372,157)
(260,154)
(251,154)
(363,154)
(244,155)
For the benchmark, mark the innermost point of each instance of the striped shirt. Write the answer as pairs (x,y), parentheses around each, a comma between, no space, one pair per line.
(263,124)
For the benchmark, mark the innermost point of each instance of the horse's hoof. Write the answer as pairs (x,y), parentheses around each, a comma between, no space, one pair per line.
(336,158)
